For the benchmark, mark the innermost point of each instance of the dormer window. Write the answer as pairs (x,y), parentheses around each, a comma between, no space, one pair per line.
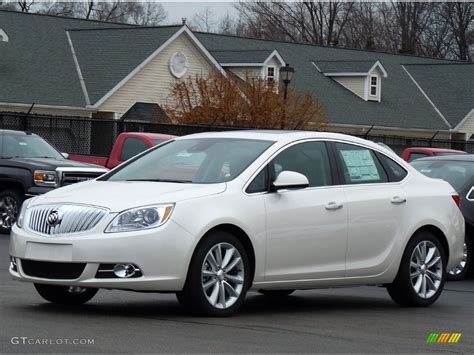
(363,78)
(3,36)
(373,85)
(271,76)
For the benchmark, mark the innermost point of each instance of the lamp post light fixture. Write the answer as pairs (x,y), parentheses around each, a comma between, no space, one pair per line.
(286,75)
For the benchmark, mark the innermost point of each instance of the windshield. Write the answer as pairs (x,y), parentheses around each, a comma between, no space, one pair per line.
(26,146)
(457,173)
(202,161)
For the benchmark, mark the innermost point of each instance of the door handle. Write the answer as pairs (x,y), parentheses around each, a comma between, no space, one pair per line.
(397,200)
(332,206)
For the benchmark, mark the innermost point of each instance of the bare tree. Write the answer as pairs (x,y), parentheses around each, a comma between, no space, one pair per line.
(25,5)
(203,21)
(460,16)
(148,14)
(138,13)
(309,21)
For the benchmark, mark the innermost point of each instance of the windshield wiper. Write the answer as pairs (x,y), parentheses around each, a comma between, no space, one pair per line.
(162,180)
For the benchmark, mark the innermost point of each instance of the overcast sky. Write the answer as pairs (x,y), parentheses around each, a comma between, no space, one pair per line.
(178,10)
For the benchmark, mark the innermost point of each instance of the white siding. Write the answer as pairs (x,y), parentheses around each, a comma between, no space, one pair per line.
(356,84)
(153,82)
(468,124)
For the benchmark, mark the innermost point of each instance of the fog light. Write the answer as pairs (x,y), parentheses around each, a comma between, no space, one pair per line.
(13,265)
(124,270)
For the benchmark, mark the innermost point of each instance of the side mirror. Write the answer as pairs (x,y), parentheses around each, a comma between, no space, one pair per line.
(287,180)
(65,155)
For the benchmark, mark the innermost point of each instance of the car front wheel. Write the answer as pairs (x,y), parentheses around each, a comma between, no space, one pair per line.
(422,272)
(218,277)
(67,295)
(10,203)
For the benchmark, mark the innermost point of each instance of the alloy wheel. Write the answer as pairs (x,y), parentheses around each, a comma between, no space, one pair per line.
(426,269)
(8,211)
(222,275)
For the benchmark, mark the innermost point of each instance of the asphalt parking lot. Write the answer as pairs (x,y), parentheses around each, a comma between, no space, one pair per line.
(362,319)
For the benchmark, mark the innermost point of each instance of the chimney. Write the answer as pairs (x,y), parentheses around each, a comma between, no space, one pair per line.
(183,21)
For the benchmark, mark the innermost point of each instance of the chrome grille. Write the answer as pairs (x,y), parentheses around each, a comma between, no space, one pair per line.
(67,219)
(72,178)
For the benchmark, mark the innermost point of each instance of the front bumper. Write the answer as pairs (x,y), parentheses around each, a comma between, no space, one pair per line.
(38,190)
(162,254)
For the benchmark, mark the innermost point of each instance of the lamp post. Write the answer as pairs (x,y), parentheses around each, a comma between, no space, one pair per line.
(286,75)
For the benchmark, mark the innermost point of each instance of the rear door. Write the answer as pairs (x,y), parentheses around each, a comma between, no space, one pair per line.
(376,205)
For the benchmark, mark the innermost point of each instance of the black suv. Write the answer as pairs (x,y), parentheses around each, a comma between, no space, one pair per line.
(30,166)
(458,170)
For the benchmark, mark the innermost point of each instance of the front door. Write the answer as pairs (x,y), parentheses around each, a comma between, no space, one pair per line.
(306,228)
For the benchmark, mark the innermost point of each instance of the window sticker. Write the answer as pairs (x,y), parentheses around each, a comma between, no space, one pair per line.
(360,165)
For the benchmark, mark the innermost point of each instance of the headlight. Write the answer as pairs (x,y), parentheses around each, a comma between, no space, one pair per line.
(140,218)
(21,216)
(44,178)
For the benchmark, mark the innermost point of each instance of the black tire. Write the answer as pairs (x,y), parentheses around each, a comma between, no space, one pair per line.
(461,274)
(276,293)
(64,294)
(401,290)
(7,215)
(193,297)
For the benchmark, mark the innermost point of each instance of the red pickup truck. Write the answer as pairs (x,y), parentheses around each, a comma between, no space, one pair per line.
(410,154)
(125,147)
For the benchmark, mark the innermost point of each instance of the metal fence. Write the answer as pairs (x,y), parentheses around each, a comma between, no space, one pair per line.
(96,136)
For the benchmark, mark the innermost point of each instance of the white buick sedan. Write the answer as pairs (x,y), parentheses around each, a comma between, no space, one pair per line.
(210,216)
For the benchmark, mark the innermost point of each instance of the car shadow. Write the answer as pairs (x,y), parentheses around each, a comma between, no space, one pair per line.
(254,304)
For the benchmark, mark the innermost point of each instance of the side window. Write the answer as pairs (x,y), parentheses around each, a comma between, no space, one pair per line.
(309,158)
(414,156)
(259,183)
(395,171)
(360,165)
(132,147)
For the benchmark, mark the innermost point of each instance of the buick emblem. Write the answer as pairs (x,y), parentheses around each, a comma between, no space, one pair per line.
(54,218)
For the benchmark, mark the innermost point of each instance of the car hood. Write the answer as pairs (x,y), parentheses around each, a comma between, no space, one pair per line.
(121,195)
(53,164)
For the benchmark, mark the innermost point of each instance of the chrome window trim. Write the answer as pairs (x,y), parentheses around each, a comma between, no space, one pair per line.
(333,140)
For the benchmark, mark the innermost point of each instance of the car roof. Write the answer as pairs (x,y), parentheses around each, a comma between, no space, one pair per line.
(453,157)
(9,132)
(279,136)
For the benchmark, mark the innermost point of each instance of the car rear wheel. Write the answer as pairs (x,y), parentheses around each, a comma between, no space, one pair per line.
(276,293)
(461,270)
(10,203)
(218,277)
(422,272)
(67,295)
